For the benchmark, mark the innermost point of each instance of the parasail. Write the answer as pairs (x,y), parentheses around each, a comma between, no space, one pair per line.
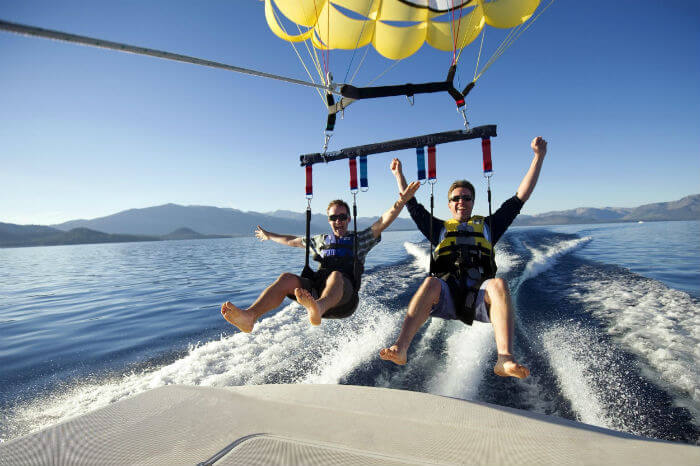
(395,29)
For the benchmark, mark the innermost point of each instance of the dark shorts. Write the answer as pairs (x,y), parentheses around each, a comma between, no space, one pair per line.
(348,301)
(445,307)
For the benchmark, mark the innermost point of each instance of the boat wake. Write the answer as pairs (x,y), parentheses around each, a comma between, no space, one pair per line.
(605,347)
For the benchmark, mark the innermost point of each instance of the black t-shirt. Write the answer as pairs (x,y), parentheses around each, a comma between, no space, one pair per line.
(498,222)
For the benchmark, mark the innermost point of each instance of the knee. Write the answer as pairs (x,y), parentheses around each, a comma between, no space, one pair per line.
(497,286)
(335,276)
(432,286)
(288,279)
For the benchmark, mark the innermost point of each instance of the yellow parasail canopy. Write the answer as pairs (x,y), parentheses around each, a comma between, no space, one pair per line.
(395,28)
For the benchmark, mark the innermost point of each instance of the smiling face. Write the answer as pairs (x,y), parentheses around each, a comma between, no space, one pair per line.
(460,207)
(338,225)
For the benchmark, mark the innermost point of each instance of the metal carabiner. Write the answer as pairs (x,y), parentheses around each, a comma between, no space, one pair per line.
(463,111)
(327,137)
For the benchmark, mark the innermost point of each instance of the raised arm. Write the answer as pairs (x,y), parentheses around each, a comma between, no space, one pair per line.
(287,240)
(391,214)
(398,174)
(527,185)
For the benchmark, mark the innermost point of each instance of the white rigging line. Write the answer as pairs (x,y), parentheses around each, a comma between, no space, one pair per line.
(105,44)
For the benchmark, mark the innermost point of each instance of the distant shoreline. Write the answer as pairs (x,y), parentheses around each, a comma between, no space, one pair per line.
(145,239)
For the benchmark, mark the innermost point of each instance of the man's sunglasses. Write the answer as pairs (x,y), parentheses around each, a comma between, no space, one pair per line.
(341,217)
(464,198)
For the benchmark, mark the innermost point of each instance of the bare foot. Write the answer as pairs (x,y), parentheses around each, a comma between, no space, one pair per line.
(506,367)
(305,299)
(238,317)
(394,355)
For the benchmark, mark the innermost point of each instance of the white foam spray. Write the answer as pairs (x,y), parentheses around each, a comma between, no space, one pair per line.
(568,349)
(544,259)
(282,348)
(659,324)
(468,350)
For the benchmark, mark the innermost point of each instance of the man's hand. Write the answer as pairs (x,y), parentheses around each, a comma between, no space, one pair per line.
(261,234)
(396,167)
(539,146)
(407,194)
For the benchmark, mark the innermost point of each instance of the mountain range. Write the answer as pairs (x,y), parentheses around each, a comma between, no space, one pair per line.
(687,208)
(172,222)
(162,219)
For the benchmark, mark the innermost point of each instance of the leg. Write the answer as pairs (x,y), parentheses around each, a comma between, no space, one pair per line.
(497,297)
(269,299)
(330,297)
(418,311)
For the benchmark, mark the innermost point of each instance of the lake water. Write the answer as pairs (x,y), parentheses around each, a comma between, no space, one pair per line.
(608,320)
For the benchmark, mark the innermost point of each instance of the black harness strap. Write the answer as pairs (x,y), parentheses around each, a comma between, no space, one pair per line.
(307,272)
(358,93)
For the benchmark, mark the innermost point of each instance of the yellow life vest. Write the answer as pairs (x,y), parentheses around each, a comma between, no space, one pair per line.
(464,259)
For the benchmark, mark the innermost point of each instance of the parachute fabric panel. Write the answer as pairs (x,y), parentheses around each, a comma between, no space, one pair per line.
(508,13)
(397,42)
(440,33)
(277,29)
(334,29)
(303,12)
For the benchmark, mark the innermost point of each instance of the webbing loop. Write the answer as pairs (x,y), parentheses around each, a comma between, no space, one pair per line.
(353,174)
(432,174)
(308,233)
(309,183)
(486,150)
(364,183)
(420,163)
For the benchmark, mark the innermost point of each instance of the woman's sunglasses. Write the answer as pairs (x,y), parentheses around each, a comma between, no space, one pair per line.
(341,217)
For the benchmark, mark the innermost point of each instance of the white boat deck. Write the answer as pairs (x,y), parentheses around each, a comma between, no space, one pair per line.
(327,424)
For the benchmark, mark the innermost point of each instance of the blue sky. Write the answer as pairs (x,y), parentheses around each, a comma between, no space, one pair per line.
(613,86)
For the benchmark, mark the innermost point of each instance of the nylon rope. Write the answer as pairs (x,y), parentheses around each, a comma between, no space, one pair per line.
(364,23)
(120,47)
(452,33)
(478,57)
(396,62)
(455,37)
(328,45)
(500,50)
(461,49)
(322,53)
(301,60)
(360,65)
(313,56)
(520,30)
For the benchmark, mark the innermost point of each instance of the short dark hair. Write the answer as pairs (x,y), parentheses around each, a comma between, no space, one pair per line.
(338,202)
(461,184)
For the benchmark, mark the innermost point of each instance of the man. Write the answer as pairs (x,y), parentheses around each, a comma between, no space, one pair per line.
(332,291)
(462,284)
